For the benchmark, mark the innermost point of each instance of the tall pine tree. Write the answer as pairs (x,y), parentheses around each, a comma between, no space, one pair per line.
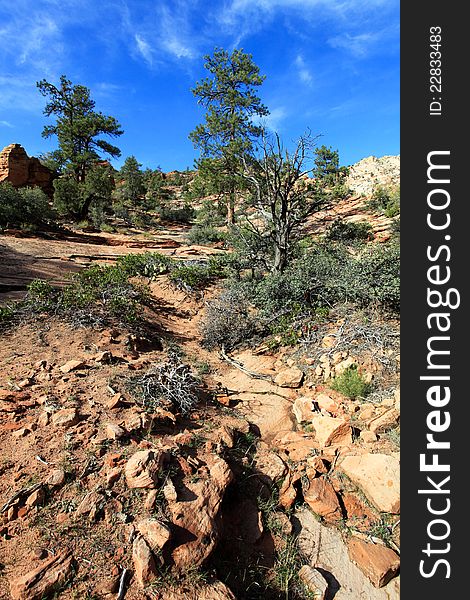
(228,132)
(77,127)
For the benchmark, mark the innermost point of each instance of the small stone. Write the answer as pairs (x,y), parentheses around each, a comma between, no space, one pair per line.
(303,409)
(144,563)
(112,476)
(326,402)
(331,431)
(43,419)
(367,436)
(25,383)
(66,417)
(108,586)
(72,365)
(143,468)
(103,358)
(114,432)
(36,498)
(133,422)
(62,518)
(318,464)
(40,582)
(314,582)
(24,431)
(91,505)
(13,396)
(56,478)
(151,500)
(112,460)
(38,554)
(378,475)
(40,364)
(322,499)
(378,563)
(114,402)
(270,466)
(291,378)
(385,421)
(169,491)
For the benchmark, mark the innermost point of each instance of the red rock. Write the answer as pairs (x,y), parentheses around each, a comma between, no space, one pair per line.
(287,491)
(21,170)
(36,498)
(56,478)
(144,563)
(196,511)
(291,378)
(66,417)
(114,402)
(112,460)
(322,499)
(155,533)
(114,431)
(378,563)
(38,583)
(72,365)
(143,468)
(330,431)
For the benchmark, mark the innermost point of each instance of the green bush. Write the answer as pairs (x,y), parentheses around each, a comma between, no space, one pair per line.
(327,274)
(67,196)
(193,276)
(205,234)
(24,206)
(351,384)
(184,214)
(385,201)
(148,264)
(342,231)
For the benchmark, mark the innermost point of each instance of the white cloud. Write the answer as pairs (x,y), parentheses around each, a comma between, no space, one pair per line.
(177,36)
(304,72)
(242,18)
(6,124)
(144,49)
(274,120)
(358,45)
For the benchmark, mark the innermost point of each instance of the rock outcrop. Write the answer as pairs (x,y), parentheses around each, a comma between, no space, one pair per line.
(369,172)
(22,171)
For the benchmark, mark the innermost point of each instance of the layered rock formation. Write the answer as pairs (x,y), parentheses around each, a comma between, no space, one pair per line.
(21,170)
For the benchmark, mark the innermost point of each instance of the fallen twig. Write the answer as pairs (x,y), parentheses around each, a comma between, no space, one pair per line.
(238,365)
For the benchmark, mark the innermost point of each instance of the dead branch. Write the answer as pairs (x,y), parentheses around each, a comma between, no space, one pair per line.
(238,365)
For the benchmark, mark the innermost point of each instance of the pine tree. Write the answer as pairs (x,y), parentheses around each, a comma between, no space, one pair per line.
(228,132)
(133,185)
(77,127)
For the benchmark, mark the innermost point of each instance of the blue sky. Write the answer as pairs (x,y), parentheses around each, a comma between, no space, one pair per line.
(330,65)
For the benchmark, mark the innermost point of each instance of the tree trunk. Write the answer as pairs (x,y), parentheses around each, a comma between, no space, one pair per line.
(281,246)
(231,208)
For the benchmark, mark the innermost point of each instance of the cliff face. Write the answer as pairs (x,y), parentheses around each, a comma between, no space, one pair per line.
(21,170)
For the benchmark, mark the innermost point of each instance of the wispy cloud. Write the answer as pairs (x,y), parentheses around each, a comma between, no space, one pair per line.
(274,120)
(358,45)
(144,49)
(6,124)
(177,36)
(304,72)
(243,18)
